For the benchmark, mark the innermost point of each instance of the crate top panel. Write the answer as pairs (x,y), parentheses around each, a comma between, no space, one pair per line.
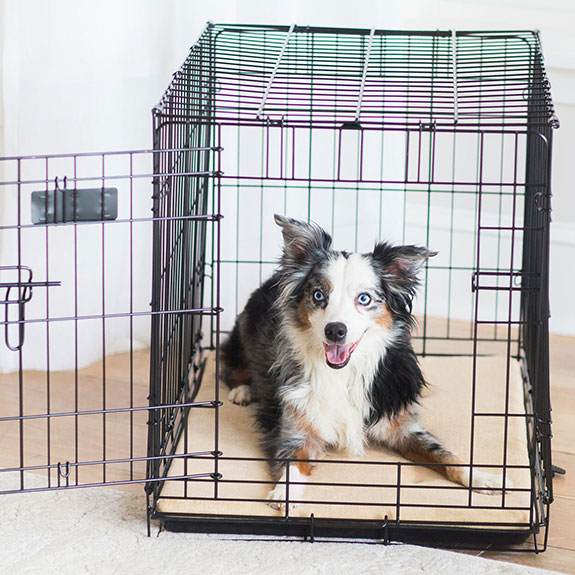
(301,75)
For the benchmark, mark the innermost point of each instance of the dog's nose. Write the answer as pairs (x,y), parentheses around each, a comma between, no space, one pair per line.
(335,331)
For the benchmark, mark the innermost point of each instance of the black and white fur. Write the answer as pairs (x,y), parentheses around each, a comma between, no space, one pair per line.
(324,347)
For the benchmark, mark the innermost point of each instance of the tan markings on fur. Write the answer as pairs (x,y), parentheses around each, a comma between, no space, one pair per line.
(384,317)
(304,467)
(398,424)
(239,377)
(303,424)
(313,444)
(302,315)
(418,455)
(415,451)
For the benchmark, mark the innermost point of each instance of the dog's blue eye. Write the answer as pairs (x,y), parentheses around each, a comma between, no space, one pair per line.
(318,295)
(364,299)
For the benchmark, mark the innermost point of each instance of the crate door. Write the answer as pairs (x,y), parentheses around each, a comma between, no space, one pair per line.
(76,261)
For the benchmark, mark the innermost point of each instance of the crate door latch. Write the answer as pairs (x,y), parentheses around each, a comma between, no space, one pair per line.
(16,294)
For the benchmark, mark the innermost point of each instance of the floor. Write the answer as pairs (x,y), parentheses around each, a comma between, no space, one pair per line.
(63,439)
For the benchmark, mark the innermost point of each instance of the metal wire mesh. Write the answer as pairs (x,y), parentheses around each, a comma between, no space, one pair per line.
(305,75)
(76,316)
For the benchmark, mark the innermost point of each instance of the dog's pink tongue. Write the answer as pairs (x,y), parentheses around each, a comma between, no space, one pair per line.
(336,354)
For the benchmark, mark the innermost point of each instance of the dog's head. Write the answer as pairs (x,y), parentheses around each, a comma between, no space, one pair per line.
(342,301)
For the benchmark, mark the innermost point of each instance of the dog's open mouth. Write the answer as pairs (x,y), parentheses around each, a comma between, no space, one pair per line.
(337,355)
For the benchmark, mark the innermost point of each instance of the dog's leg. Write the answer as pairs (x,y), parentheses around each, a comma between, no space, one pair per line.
(295,439)
(421,446)
(240,389)
(299,471)
(235,371)
(406,435)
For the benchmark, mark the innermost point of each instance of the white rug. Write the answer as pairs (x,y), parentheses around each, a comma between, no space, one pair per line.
(103,531)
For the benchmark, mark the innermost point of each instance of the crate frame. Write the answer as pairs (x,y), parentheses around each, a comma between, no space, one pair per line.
(533,119)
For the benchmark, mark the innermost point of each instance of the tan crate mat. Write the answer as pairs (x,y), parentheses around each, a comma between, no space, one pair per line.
(424,495)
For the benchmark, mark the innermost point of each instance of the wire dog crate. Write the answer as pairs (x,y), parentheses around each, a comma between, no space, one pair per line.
(439,138)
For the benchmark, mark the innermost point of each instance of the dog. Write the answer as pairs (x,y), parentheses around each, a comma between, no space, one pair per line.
(324,348)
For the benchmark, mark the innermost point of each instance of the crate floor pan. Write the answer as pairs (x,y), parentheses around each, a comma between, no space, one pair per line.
(363,497)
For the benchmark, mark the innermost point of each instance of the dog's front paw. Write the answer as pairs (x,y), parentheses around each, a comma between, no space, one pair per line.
(241,395)
(277,496)
(488,483)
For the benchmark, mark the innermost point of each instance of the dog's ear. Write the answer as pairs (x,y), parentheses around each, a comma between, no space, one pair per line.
(301,239)
(400,264)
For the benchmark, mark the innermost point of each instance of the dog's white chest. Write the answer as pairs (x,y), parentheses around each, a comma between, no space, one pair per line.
(335,404)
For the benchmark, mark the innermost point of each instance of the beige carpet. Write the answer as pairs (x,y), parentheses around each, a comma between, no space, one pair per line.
(102,532)
(446,411)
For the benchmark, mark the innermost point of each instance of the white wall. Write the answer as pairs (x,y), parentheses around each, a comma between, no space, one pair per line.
(78,75)
(84,75)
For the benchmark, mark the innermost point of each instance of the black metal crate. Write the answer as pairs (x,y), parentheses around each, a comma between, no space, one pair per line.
(441,138)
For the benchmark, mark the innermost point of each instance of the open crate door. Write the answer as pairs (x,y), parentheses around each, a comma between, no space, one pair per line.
(96,250)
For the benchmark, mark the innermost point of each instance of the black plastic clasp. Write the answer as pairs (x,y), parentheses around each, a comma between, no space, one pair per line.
(355,125)
(311,534)
(385,527)
(556,470)
(427,126)
(542,202)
